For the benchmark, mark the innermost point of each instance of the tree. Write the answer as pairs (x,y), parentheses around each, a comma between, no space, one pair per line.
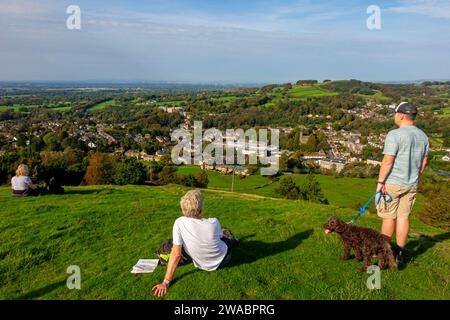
(187,180)
(167,175)
(101,169)
(52,141)
(312,191)
(288,188)
(312,141)
(130,171)
(201,179)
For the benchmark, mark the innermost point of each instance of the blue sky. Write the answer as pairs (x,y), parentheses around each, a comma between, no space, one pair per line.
(224,41)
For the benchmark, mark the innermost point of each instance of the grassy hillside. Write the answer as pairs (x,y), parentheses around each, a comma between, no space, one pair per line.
(298,91)
(283,255)
(341,192)
(103,105)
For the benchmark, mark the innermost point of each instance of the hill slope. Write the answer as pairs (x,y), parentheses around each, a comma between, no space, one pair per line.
(284,253)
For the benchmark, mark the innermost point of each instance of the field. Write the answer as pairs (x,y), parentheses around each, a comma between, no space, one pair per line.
(283,254)
(445,114)
(103,105)
(309,91)
(16,107)
(436,141)
(342,192)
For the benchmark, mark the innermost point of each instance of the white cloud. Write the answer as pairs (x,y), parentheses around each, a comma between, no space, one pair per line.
(431,8)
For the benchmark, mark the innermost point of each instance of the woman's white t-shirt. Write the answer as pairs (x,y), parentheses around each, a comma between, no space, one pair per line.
(20,183)
(200,239)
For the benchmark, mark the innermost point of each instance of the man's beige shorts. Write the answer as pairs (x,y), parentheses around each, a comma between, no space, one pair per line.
(403,199)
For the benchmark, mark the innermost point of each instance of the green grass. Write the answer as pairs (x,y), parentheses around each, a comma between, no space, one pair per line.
(103,105)
(446,113)
(218,180)
(16,107)
(436,141)
(342,192)
(377,96)
(225,98)
(283,255)
(309,91)
(174,103)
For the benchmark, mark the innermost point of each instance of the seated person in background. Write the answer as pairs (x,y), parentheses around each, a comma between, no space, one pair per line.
(21,183)
(202,239)
(54,187)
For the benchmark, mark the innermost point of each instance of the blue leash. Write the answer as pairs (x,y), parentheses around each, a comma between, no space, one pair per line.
(363,209)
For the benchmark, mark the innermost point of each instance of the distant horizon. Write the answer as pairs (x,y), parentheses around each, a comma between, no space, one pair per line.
(211,82)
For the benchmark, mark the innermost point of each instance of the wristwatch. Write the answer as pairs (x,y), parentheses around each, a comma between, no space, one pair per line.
(381,182)
(166,282)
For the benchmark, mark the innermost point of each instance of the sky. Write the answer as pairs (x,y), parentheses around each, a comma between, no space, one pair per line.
(218,41)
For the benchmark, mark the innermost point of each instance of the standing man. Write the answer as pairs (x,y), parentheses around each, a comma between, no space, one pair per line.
(405,158)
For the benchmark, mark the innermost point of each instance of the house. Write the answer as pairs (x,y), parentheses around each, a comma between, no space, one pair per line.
(332,164)
(353,146)
(171,109)
(140,155)
(314,155)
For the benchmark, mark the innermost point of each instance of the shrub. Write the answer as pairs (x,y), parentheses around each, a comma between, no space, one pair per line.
(436,210)
(311,190)
(197,180)
(288,188)
(130,171)
(201,179)
(167,175)
(360,170)
(187,180)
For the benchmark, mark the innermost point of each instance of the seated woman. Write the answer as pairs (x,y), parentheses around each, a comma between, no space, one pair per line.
(202,239)
(21,183)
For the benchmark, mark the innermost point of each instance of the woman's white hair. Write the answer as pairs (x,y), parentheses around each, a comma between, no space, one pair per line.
(192,203)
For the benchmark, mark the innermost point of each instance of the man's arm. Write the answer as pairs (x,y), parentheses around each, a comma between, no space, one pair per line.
(423,166)
(175,257)
(386,167)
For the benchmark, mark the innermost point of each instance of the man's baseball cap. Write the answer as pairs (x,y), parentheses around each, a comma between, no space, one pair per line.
(406,108)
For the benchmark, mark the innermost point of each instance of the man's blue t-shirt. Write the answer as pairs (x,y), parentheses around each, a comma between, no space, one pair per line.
(409,145)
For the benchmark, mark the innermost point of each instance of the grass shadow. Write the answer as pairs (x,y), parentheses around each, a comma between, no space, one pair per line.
(86,191)
(44,290)
(178,278)
(421,245)
(251,251)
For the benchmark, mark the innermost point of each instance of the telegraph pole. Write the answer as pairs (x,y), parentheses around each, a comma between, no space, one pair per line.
(232,181)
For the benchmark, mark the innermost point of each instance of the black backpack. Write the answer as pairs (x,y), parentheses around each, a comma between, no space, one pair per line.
(164,253)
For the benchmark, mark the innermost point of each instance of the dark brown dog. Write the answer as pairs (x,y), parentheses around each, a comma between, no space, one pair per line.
(365,243)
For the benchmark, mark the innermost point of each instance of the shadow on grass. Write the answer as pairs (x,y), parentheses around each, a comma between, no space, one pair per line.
(176,279)
(87,191)
(42,291)
(421,245)
(251,251)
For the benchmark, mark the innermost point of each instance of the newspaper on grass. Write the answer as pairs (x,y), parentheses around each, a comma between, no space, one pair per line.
(145,266)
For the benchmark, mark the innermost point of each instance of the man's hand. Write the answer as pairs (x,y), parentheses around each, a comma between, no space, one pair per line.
(160,289)
(382,187)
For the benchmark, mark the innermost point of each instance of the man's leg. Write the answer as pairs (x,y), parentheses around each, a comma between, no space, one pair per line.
(388,227)
(388,211)
(404,209)
(402,230)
